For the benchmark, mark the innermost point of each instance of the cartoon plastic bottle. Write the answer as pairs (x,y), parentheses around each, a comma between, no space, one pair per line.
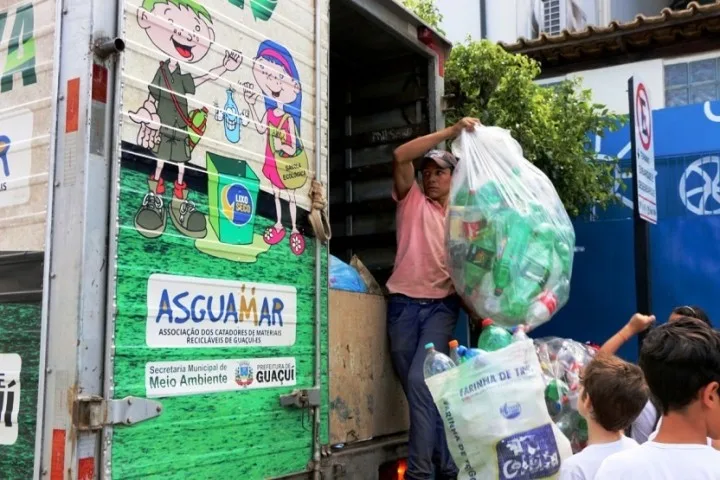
(232,118)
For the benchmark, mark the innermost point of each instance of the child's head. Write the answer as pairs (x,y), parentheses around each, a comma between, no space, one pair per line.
(277,76)
(613,392)
(689,311)
(180,29)
(681,361)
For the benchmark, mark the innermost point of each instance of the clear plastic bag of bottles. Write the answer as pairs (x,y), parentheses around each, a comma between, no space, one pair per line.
(561,362)
(510,241)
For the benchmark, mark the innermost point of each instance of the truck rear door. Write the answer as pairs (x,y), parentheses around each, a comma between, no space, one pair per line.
(214,281)
(27,105)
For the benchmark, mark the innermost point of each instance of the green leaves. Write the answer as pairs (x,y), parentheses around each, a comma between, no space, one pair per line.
(551,123)
(427,11)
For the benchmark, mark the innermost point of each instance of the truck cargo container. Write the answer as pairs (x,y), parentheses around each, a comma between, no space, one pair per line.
(164,301)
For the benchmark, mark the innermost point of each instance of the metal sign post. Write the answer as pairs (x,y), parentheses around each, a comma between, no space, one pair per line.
(644,191)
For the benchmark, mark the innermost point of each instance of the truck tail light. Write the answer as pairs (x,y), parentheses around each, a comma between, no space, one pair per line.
(394,470)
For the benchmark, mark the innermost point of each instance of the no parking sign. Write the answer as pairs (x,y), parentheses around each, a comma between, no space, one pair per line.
(644,149)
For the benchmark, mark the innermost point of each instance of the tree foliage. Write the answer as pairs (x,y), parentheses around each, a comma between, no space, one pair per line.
(550,123)
(427,11)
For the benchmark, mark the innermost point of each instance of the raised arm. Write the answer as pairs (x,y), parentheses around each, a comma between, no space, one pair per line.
(405,154)
(638,323)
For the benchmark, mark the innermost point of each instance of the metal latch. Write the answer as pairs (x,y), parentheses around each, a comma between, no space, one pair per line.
(93,413)
(307,398)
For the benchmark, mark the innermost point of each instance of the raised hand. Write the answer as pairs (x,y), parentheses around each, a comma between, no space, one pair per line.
(251,97)
(233,60)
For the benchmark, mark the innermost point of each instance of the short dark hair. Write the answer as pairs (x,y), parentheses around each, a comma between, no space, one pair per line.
(693,311)
(617,391)
(678,359)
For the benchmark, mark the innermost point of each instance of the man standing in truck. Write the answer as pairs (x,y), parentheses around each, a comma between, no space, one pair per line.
(423,306)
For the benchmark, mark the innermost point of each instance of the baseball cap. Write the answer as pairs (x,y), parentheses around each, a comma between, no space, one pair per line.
(442,158)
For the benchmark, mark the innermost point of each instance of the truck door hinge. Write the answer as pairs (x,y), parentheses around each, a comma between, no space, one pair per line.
(307,398)
(94,413)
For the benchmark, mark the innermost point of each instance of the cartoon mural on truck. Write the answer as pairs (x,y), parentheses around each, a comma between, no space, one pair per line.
(261,9)
(180,29)
(212,320)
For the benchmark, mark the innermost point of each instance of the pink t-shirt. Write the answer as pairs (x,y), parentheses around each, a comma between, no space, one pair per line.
(421,269)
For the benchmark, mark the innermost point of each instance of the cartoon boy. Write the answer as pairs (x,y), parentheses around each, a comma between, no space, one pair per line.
(182,30)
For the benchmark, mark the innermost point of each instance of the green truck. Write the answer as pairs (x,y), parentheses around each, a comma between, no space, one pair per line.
(164,301)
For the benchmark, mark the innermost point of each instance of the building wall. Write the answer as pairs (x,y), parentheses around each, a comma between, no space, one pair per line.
(625,11)
(461,18)
(510,19)
(672,81)
(609,84)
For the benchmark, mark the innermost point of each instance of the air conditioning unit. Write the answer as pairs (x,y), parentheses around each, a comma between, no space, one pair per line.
(553,16)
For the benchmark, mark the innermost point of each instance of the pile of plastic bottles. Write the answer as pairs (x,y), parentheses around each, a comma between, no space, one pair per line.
(562,361)
(509,264)
(492,338)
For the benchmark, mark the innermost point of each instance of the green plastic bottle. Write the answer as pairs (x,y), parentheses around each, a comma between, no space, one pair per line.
(556,393)
(480,257)
(493,337)
(489,198)
(516,232)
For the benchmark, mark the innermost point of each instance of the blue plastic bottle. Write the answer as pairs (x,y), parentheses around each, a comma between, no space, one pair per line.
(232,118)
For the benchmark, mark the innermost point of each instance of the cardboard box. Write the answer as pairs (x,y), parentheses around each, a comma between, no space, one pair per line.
(366,399)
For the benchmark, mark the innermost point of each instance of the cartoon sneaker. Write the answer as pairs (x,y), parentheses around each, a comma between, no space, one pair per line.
(297,243)
(274,235)
(185,216)
(151,219)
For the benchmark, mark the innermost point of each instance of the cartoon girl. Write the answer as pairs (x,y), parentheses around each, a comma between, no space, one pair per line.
(286,162)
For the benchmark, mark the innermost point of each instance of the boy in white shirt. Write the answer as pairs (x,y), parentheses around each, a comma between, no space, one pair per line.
(681,362)
(612,394)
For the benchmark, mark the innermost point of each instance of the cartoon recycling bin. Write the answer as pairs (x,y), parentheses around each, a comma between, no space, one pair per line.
(232,199)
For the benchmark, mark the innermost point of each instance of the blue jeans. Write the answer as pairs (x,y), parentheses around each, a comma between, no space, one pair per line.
(411,324)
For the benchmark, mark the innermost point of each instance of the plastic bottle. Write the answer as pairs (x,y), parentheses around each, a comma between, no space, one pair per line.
(455,352)
(232,118)
(520,334)
(542,309)
(489,197)
(538,265)
(556,398)
(479,260)
(436,362)
(516,232)
(493,337)
(476,356)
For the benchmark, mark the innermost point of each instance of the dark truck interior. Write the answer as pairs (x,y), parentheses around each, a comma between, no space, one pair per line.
(378,100)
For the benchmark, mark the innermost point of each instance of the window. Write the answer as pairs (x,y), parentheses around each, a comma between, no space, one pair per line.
(692,82)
